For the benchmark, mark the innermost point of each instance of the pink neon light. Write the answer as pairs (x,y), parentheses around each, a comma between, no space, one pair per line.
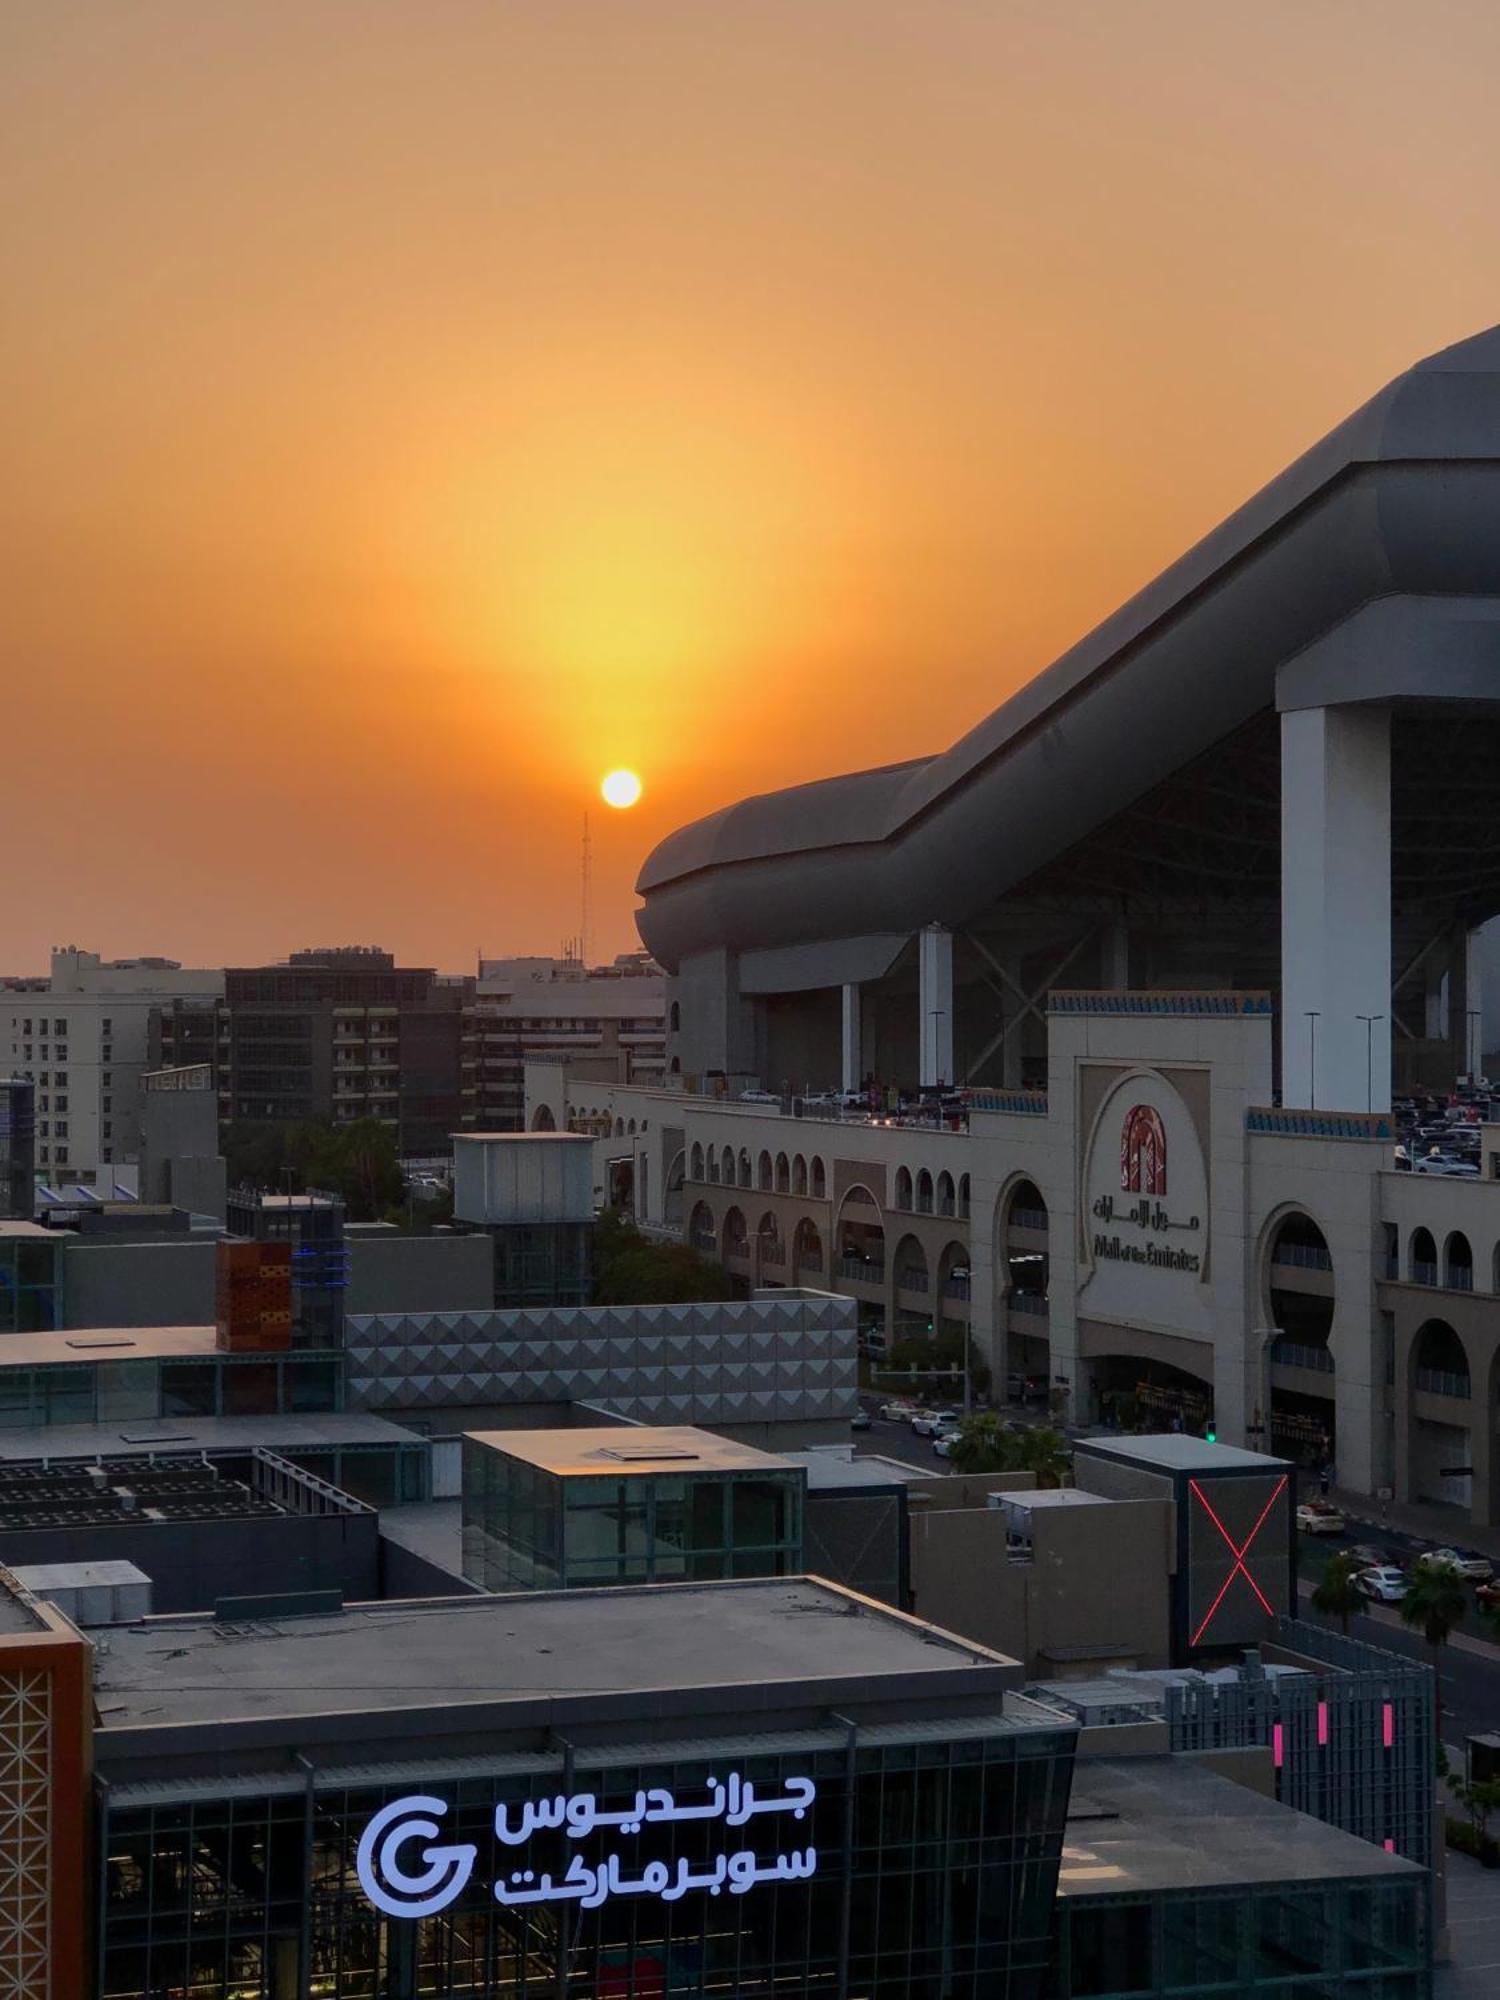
(1238,1551)
(1322,1722)
(1278,1745)
(1388,1724)
(1390,1847)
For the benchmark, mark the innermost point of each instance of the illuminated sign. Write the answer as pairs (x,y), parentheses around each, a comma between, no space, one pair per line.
(1238,1550)
(1143,1151)
(407,1870)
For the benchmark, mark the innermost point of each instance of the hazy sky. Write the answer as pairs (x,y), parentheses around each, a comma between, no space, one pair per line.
(413,410)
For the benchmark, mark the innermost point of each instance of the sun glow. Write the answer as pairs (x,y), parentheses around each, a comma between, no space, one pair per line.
(621,788)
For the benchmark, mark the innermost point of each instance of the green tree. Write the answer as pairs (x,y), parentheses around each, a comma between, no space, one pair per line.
(1336,1594)
(1434,1604)
(1480,1800)
(1044,1451)
(630,1270)
(984,1444)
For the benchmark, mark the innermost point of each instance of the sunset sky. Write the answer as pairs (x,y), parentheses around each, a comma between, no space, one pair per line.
(413,411)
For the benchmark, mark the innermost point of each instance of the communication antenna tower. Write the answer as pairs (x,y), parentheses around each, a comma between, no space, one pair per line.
(584,940)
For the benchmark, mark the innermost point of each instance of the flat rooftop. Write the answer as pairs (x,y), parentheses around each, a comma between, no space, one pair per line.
(1138,1824)
(631,1449)
(1174,1451)
(17,1618)
(192,1434)
(835,1465)
(106,1343)
(28,1232)
(431,1655)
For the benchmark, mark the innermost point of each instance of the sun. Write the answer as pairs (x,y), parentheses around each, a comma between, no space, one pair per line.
(621,788)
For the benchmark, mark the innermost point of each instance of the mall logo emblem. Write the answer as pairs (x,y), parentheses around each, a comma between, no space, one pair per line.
(445,1872)
(1143,1152)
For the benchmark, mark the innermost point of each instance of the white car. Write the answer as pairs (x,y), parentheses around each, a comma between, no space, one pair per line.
(1477,1569)
(928,1423)
(897,1412)
(1315,1519)
(944,1442)
(1386,1586)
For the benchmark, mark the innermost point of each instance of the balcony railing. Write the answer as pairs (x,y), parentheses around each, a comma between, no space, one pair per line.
(773,1253)
(861,1271)
(1292,1354)
(1438,1382)
(1460,1278)
(1028,1302)
(809,1260)
(1310,1256)
(1424,1274)
(955,1288)
(1028,1218)
(912,1279)
(703,1239)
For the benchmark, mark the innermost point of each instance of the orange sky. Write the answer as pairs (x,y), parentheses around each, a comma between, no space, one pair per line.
(413,410)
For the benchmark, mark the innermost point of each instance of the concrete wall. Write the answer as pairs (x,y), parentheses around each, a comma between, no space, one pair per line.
(1097,1579)
(138,1284)
(400,1274)
(191,1563)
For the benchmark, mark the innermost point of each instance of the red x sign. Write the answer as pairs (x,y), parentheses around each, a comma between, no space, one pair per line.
(1238,1550)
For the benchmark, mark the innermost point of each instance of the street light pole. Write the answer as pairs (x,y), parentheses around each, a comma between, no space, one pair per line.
(1369,1021)
(1313,1014)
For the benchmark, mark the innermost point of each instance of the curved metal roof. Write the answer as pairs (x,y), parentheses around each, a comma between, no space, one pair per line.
(1403,498)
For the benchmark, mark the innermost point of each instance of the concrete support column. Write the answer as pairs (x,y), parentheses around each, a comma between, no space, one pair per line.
(1465,1005)
(1336,909)
(851,1070)
(935,1000)
(1115,956)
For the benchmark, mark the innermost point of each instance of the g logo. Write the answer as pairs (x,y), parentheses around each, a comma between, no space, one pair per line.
(378,1864)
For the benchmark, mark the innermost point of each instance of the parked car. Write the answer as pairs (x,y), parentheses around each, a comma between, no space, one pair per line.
(1315,1518)
(1365,1555)
(897,1412)
(928,1423)
(944,1442)
(1385,1585)
(860,1421)
(1487,1594)
(1476,1569)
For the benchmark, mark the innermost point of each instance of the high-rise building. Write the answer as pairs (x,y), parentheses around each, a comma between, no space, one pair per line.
(338,1035)
(610,1023)
(17,1148)
(81,1035)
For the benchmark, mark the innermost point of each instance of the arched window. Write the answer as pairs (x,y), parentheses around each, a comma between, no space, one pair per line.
(701,1228)
(903,1188)
(953,1272)
(963,1194)
(768,1240)
(630,1128)
(736,1235)
(696,1161)
(783,1174)
(729,1166)
(542,1119)
(1422,1253)
(911,1266)
(799,1174)
(819,1180)
(1024,1252)
(674,1017)
(764,1180)
(1299,1241)
(745,1169)
(619,1128)
(676,1065)
(807,1246)
(945,1197)
(924,1192)
(1440,1360)
(1458,1263)
(861,1237)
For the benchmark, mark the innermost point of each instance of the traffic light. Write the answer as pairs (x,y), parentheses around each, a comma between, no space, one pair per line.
(1211,1435)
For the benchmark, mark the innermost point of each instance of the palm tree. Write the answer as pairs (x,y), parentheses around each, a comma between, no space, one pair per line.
(1337,1595)
(983,1445)
(1044,1452)
(1434,1604)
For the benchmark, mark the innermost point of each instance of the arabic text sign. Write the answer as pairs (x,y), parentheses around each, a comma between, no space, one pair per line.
(408,1831)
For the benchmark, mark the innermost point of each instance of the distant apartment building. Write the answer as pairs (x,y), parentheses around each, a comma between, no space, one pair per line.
(609,1022)
(17,1148)
(331,1035)
(82,1036)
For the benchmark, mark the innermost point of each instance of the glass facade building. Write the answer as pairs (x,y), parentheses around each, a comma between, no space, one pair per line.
(30,1280)
(630,1509)
(213,1385)
(935,1852)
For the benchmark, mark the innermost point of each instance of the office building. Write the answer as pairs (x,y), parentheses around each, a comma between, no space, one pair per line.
(608,1022)
(437,1799)
(17,1148)
(82,1035)
(584,1508)
(309,1228)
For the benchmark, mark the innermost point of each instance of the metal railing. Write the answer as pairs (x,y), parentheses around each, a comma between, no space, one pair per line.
(1460,1278)
(911,1279)
(858,1269)
(1028,1302)
(1424,1274)
(1309,1256)
(1438,1382)
(955,1288)
(1028,1218)
(1292,1354)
